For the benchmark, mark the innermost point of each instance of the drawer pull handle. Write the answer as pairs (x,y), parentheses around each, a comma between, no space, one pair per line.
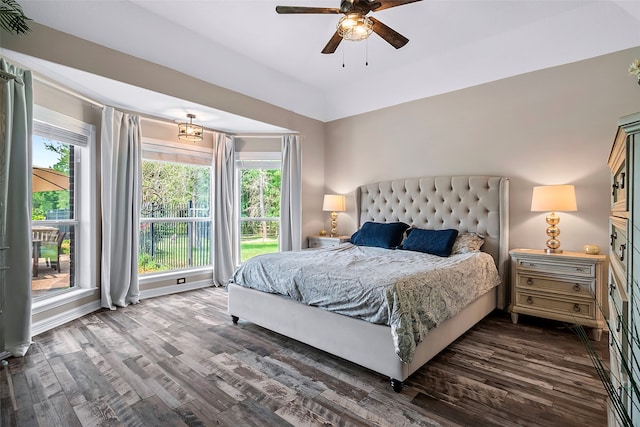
(612,288)
(618,324)
(529,281)
(619,184)
(529,300)
(623,247)
(577,287)
(613,236)
(576,308)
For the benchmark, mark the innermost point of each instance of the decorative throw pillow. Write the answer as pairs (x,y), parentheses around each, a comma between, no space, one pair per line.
(467,242)
(382,235)
(435,242)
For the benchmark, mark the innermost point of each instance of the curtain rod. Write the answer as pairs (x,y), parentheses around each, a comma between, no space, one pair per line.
(266,135)
(68,91)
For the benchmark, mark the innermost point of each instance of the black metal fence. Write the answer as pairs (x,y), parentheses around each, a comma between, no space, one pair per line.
(174,237)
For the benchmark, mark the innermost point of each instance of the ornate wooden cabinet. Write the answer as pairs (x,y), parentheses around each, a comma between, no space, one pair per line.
(624,274)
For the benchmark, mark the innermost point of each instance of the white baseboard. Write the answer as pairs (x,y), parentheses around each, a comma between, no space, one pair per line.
(173,289)
(62,318)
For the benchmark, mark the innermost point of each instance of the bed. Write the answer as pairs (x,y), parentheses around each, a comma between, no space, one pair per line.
(469,204)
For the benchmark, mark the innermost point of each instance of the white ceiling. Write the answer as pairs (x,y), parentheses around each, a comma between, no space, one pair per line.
(245,46)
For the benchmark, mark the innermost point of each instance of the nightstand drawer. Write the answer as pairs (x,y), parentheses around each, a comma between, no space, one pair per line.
(578,308)
(578,287)
(326,241)
(317,243)
(557,267)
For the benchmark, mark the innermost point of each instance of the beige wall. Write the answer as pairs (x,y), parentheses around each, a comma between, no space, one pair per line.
(553,126)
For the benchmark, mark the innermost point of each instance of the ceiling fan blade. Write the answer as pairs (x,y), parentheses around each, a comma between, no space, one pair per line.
(302,9)
(388,4)
(392,37)
(333,43)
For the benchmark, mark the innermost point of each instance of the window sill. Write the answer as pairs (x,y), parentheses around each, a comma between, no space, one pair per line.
(173,275)
(59,300)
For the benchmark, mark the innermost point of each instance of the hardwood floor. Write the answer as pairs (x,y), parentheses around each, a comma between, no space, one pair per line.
(179,361)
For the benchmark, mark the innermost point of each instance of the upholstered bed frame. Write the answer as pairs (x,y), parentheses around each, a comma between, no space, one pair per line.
(466,203)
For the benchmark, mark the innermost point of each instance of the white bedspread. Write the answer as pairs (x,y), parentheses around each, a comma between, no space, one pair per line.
(410,291)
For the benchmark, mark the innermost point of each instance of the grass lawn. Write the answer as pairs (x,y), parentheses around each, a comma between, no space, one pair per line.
(251,248)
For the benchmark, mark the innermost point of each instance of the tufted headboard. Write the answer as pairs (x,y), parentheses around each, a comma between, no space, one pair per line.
(467,203)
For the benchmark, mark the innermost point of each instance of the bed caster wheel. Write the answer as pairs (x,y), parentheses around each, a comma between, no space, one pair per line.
(396,385)
(235,319)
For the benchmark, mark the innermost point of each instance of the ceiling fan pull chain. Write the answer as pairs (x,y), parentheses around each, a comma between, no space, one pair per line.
(343,57)
(366,61)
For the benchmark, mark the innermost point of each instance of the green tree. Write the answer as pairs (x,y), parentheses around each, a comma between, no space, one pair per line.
(64,152)
(172,184)
(260,196)
(45,201)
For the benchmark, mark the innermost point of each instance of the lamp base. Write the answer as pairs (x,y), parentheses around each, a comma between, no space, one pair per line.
(553,244)
(334,224)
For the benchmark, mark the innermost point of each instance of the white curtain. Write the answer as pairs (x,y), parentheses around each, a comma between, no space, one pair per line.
(224,258)
(291,195)
(121,179)
(16,122)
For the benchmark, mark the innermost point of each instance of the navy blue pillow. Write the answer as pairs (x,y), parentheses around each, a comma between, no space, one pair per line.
(435,242)
(382,235)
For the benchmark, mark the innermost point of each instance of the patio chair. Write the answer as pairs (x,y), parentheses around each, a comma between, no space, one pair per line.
(50,249)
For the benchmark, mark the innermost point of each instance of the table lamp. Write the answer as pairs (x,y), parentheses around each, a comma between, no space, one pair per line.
(553,198)
(334,203)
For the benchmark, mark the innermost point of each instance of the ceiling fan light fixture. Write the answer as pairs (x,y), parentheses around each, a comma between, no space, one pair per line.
(189,131)
(355,27)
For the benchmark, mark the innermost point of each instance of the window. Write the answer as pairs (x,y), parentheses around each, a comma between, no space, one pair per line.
(258,175)
(62,203)
(175,217)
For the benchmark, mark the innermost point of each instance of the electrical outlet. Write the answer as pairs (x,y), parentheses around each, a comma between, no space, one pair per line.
(181,280)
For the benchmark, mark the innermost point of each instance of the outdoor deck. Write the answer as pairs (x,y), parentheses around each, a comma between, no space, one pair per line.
(49,280)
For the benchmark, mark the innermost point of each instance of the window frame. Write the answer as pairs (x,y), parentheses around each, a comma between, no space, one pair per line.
(158,150)
(257,160)
(85,207)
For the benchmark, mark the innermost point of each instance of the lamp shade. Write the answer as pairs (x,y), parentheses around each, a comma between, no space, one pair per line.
(333,203)
(554,198)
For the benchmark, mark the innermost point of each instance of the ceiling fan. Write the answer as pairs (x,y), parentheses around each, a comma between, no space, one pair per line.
(355,24)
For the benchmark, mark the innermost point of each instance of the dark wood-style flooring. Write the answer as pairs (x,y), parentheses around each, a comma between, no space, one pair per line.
(179,361)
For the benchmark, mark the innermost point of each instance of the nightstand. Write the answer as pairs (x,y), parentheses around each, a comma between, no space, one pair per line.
(326,241)
(569,287)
